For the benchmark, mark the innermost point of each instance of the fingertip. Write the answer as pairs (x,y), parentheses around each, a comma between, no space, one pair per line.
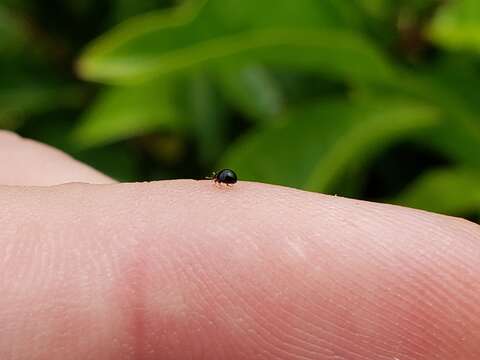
(186,269)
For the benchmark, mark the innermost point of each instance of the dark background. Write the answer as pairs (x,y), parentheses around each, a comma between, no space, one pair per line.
(372,99)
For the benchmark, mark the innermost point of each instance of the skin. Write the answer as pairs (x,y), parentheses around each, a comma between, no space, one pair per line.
(189,270)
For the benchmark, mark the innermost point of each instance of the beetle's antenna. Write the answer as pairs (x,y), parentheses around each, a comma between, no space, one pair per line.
(211,176)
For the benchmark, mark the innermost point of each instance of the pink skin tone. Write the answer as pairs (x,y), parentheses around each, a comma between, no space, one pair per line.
(188,270)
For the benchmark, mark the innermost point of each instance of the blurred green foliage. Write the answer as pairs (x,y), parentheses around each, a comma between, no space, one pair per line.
(375,99)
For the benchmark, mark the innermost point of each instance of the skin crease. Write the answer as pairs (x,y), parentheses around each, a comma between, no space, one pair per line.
(189,270)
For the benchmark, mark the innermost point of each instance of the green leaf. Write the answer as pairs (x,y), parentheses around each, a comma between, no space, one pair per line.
(122,113)
(301,34)
(253,90)
(376,8)
(314,145)
(457,135)
(326,52)
(456,26)
(449,191)
(123,9)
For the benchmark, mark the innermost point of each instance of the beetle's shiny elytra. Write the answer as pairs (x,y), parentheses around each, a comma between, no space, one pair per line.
(225,176)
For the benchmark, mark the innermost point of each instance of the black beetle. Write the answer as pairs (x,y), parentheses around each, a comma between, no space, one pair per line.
(225,176)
